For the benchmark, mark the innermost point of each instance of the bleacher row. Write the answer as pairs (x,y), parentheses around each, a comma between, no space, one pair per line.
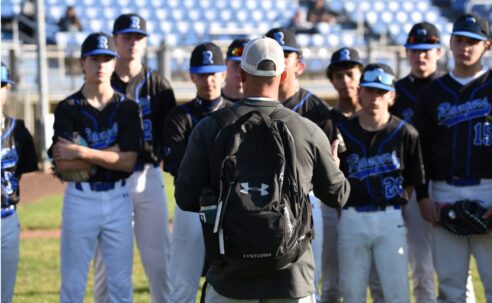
(186,22)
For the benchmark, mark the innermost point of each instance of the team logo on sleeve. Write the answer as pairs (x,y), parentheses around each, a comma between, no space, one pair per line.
(407,115)
(363,167)
(208,57)
(9,157)
(451,114)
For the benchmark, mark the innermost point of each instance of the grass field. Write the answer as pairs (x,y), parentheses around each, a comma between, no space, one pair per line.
(38,277)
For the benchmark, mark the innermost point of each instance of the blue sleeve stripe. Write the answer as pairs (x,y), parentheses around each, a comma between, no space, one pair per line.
(406,92)
(7,133)
(298,105)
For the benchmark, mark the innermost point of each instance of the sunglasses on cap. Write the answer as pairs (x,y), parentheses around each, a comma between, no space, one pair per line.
(423,40)
(378,75)
(237,51)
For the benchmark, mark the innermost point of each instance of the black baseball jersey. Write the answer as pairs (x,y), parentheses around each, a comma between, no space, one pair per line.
(380,164)
(455,123)
(407,93)
(18,157)
(312,107)
(155,96)
(117,123)
(178,127)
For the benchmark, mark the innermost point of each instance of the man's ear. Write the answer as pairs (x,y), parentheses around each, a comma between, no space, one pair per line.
(487,44)
(283,76)
(242,75)
(300,67)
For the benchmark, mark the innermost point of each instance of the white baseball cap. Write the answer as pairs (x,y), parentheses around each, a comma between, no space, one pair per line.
(259,50)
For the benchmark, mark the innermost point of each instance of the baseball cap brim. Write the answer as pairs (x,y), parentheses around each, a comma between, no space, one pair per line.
(423,46)
(290,49)
(346,61)
(98,52)
(233,58)
(377,85)
(8,81)
(209,69)
(470,35)
(131,31)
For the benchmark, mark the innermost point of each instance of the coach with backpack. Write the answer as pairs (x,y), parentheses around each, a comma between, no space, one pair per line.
(247,171)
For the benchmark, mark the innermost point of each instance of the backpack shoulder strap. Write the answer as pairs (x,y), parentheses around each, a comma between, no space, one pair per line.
(226,116)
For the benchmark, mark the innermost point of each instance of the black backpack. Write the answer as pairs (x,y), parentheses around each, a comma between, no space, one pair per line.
(263,219)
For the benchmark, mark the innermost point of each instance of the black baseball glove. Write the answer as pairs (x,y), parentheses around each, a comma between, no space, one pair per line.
(464,218)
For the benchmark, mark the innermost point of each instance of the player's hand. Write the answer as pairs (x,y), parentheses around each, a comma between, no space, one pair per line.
(488,214)
(334,151)
(428,210)
(65,150)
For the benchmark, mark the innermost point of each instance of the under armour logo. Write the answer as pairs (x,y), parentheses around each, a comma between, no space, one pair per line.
(245,188)
(279,36)
(422,32)
(208,57)
(134,22)
(344,55)
(102,42)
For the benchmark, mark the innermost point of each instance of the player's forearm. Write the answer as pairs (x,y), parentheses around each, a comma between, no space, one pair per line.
(110,159)
(68,165)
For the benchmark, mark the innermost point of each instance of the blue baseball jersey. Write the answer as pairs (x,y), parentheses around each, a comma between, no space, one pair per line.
(117,123)
(380,164)
(18,157)
(155,97)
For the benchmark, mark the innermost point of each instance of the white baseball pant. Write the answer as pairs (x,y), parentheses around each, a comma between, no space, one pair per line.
(419,238)
(151,230)
(10,255)
(187,256)
(363,236)
(317,243)
(89,217)
(452,254)
(330,273)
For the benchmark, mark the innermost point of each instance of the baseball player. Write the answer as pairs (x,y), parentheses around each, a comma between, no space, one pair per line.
(454,119)
(423,51)
(382,161)
(233,87)
(344,74)
(304,102)
(155,98)
(18,158)
(207,71)
(100,209)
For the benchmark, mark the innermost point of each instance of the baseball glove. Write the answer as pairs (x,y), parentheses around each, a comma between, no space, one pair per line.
(464,218)
(82,175)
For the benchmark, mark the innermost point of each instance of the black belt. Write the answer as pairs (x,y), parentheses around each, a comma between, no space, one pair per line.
(372,208)
(100,186)
(463,181)
(7,211)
